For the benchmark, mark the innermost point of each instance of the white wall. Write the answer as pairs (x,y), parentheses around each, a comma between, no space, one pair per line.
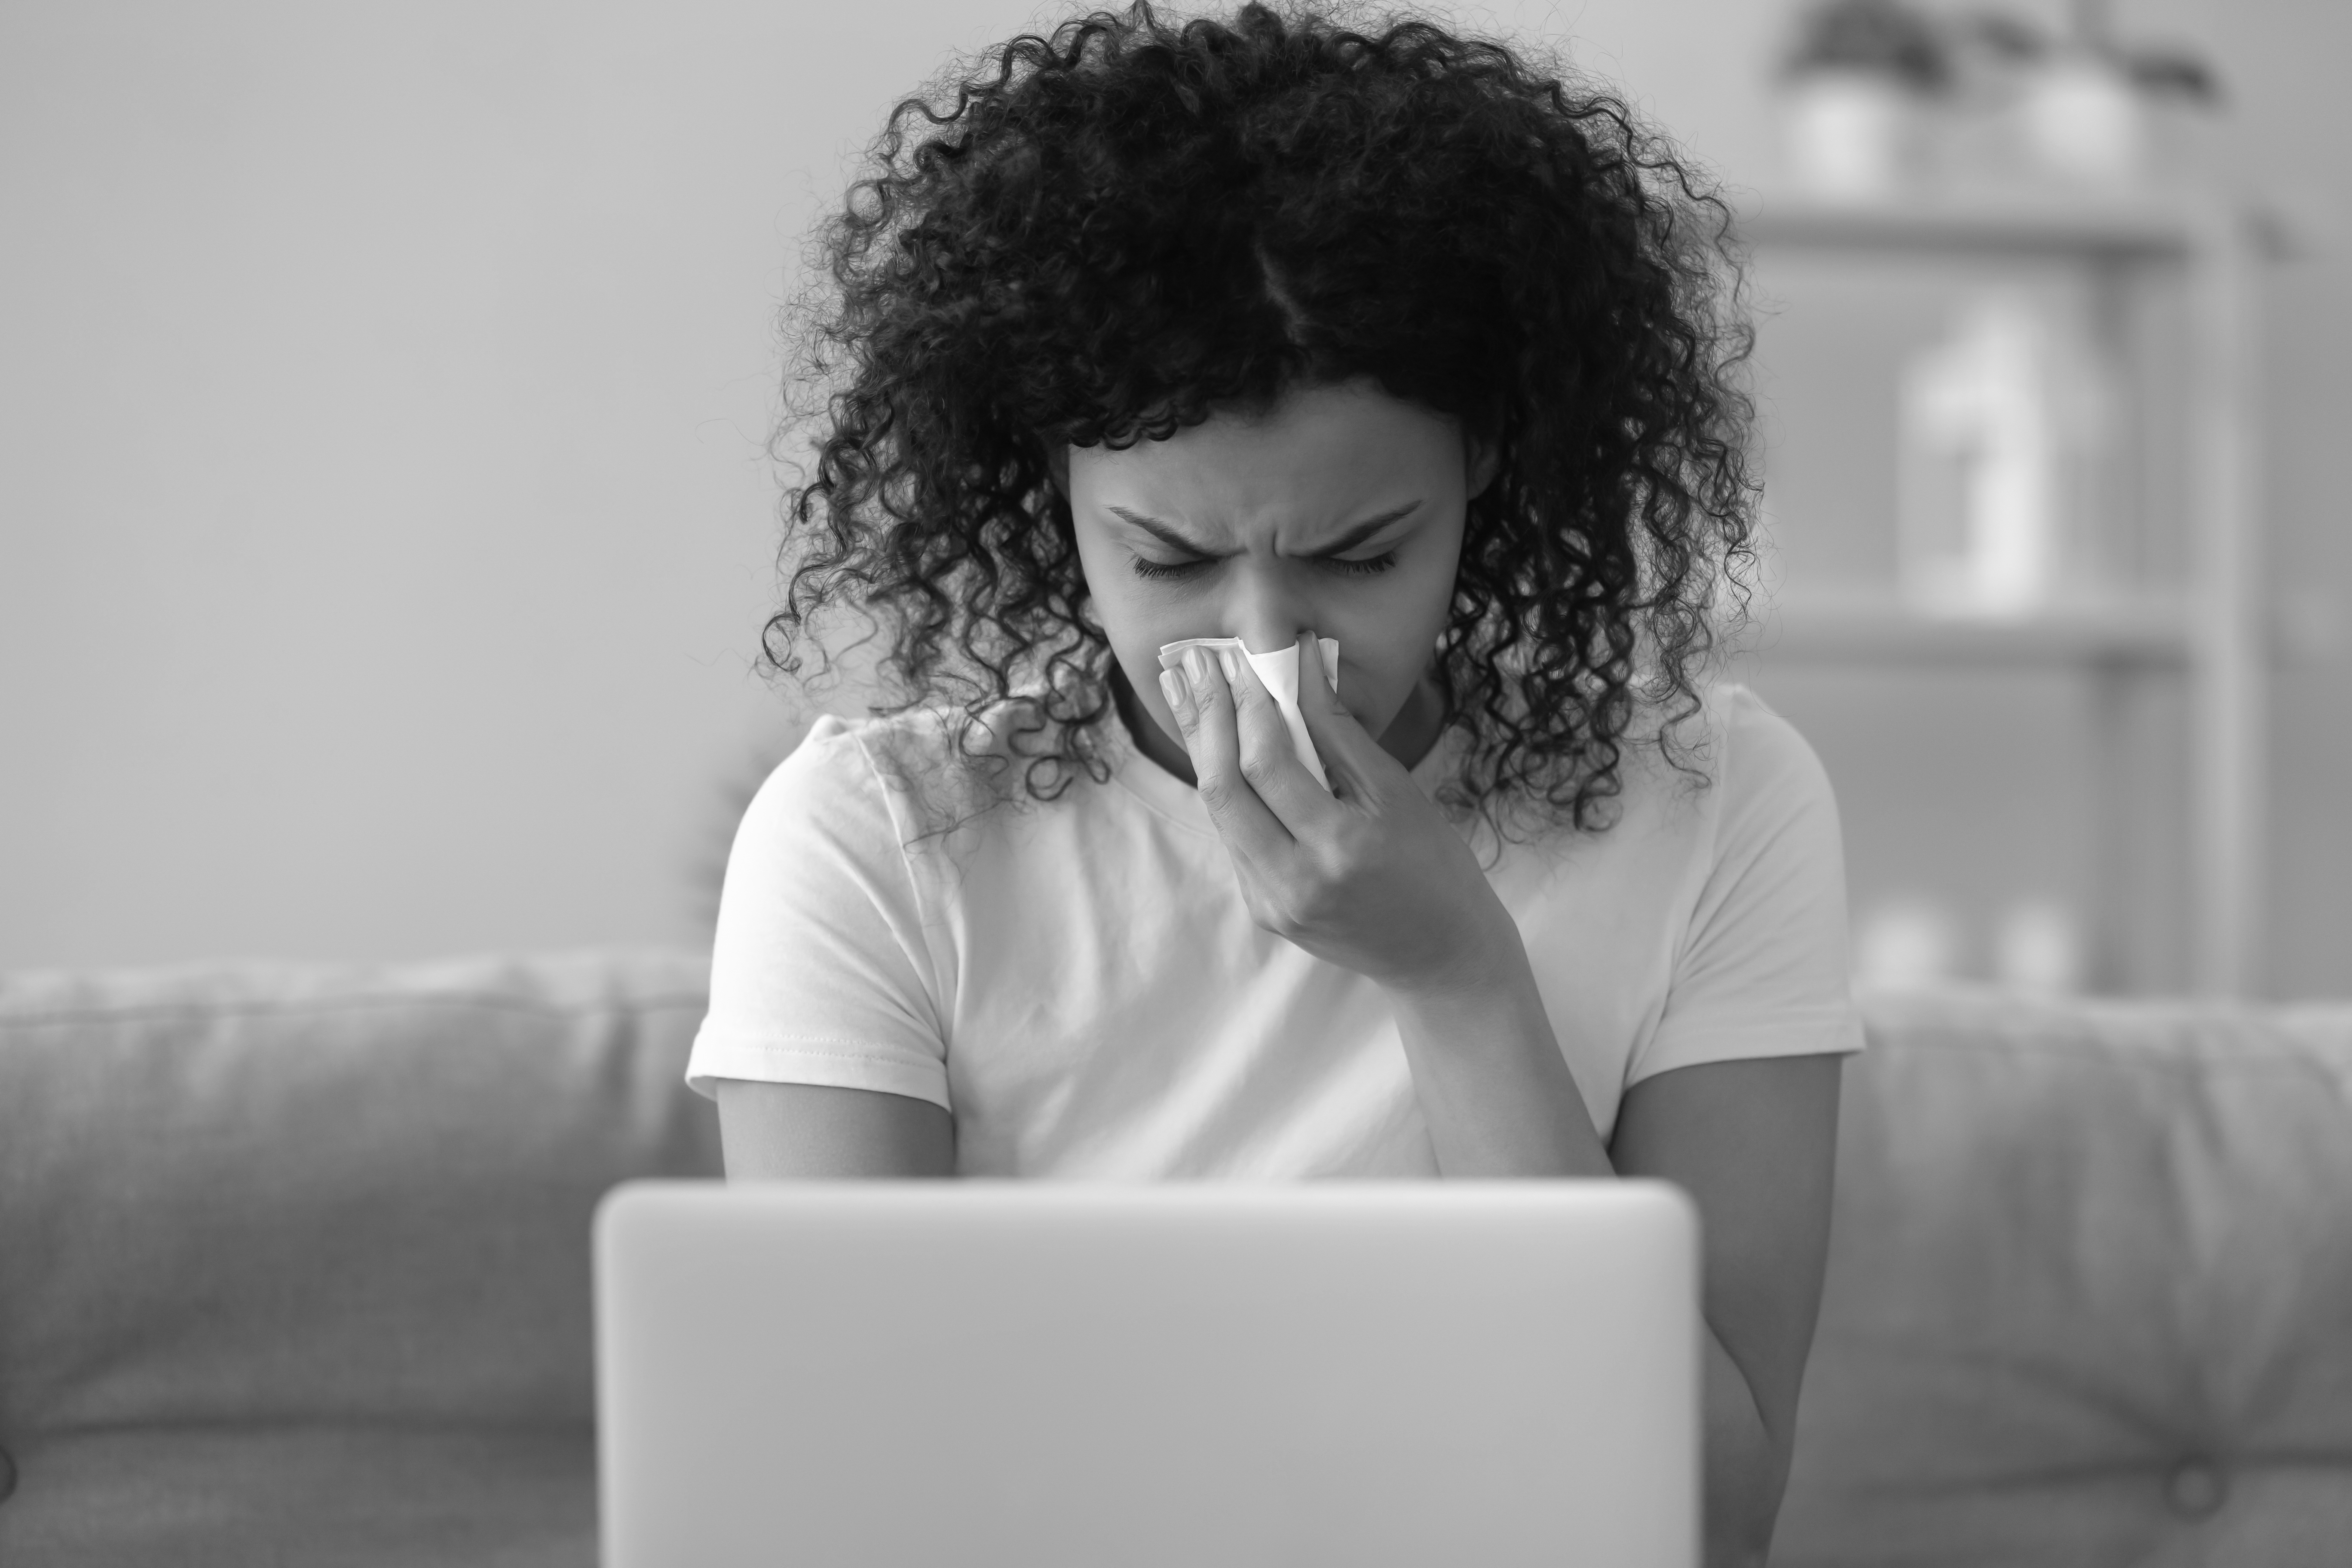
(385,524)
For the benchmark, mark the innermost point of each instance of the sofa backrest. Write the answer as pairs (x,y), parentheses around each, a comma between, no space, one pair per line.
(265,1231)
(2090,1290)
(267,1193)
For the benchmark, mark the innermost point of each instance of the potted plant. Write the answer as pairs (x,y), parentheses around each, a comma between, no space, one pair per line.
(2088,111)
(1858,78)
(2082,108)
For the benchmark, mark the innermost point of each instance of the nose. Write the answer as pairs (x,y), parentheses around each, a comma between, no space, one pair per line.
(1267,615)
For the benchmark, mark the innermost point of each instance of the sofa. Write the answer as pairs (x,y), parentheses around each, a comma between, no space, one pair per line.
(294,1270)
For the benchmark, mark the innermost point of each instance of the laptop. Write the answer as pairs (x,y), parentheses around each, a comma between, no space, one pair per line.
(1060,1375)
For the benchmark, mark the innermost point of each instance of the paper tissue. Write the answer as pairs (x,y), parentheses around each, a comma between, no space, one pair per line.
(1278,671)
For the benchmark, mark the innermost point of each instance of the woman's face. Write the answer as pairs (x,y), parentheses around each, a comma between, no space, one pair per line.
(1340,512)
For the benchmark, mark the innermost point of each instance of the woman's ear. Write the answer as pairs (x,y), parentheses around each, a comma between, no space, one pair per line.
(1481,459)
(1057,467)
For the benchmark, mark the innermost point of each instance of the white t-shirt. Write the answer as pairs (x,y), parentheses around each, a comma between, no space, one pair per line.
(1080,983)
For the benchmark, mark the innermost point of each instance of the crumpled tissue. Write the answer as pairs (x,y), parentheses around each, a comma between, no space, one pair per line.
(1279,672)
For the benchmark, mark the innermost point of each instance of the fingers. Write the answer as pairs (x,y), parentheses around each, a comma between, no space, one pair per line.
(1269,756)
(1201,695)
(1344,746)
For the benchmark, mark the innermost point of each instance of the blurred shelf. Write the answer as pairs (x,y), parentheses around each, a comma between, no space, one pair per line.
(2150,630)
(2021,223)
(2210,638)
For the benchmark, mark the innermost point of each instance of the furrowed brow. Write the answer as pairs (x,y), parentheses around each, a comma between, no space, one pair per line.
(1366,528)
(1346,541)
(1158,530)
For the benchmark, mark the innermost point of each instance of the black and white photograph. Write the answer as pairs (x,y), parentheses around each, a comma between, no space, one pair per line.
(1274,783)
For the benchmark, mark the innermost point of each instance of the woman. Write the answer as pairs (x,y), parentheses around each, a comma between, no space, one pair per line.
(1265,330)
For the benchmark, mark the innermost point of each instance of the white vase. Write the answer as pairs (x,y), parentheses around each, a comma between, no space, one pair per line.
(1853,136)
(2081,120)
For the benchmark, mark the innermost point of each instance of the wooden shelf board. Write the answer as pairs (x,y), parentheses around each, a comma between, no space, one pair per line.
(2145,631)
(2022,222)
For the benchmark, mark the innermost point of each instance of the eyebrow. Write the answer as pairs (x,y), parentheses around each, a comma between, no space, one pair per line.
(1346,541)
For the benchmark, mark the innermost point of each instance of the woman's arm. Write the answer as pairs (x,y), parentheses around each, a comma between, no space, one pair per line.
(801,1132)
(1366,875)
(1493,1084)
(1753,1142)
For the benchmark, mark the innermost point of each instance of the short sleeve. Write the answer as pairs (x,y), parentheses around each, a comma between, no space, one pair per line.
(1762,969)
(817,971)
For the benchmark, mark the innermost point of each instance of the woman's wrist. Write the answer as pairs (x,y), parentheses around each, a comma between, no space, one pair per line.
(1477,971)
(1494,1086)
(1492,1016)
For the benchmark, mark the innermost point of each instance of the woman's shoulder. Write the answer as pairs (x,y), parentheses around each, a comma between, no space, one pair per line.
(1761,758)
(1749,790)
(826,787)
(843,747)
(1722,765)
(931,767)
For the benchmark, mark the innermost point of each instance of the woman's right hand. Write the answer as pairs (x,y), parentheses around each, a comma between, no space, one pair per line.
(1369,874)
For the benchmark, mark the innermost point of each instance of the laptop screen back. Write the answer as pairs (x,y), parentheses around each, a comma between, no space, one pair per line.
(1046,1375)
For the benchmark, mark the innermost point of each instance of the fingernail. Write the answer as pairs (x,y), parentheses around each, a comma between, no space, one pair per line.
(1196,668)
(1231,665)
(1173,690)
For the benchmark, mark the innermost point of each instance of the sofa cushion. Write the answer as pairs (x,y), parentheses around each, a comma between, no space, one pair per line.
(294,1262)
(2090,1291)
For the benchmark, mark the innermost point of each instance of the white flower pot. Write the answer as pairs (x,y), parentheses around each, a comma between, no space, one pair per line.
(1853,136)
(2081,120)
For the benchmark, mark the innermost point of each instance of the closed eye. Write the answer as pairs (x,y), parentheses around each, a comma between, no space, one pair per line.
(1164,571)
(1159,570)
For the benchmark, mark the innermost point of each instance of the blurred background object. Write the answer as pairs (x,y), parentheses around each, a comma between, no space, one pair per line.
(2015,400)
(1859,82)
(1906,944)
(1915,942)
(389,517)
(2103,114)
(2038,948)
(1883,96)
(2004,425)
(2082,116)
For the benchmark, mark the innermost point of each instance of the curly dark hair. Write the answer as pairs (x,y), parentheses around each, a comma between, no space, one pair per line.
(1111,233)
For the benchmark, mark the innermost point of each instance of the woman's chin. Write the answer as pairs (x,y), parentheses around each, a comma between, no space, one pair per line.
(1413,729)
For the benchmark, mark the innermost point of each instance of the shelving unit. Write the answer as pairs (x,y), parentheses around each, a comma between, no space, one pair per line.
(2205,629)
(2028,222)
(2143,631)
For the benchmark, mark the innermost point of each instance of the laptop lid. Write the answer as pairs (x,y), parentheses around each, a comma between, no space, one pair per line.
(1053,1375)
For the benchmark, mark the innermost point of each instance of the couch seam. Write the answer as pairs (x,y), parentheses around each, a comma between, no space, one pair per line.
(18,1437)
(2232,1055)
(482,1001)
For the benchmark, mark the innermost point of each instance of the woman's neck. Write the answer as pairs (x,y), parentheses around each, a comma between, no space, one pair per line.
(1408,737)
